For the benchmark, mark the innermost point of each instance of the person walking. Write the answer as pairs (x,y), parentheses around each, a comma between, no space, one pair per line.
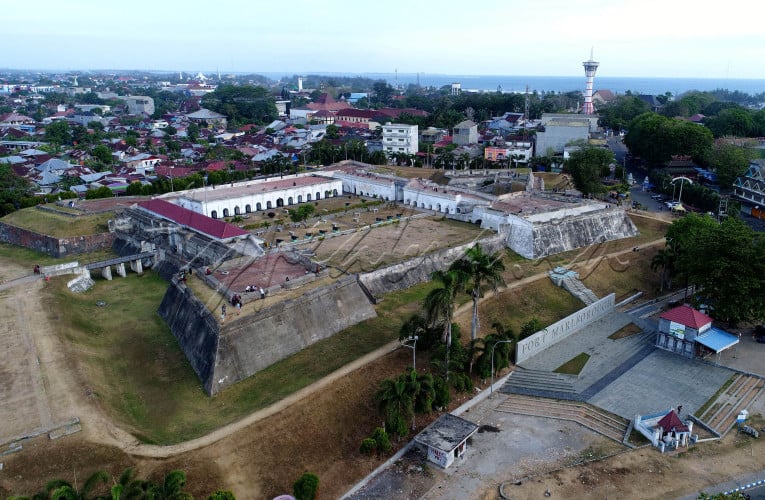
(262,293)
(223,313)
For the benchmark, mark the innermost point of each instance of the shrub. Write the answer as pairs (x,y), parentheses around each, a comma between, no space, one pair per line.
(443,396)
(306,487)
(368,446)
(382,440)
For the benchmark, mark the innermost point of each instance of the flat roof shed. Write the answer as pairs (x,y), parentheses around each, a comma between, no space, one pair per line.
(446,439)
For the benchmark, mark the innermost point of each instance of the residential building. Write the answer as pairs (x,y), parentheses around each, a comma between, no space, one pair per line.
(138,104)
(206,118)
(465,133)
(400,138)
(559,130)
(750,187)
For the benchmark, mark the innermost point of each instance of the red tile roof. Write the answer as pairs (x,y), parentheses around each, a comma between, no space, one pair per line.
(197,222)
(688,316)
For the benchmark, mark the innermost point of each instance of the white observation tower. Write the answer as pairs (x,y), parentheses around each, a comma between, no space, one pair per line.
(590,67)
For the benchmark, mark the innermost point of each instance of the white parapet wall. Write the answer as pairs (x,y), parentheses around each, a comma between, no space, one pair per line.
(566,327)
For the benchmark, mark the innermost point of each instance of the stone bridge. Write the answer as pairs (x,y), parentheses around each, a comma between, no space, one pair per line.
(135,260)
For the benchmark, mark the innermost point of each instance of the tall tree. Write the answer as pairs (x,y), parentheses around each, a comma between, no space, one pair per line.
(395,402)
(482,269)
(588,166)
(439,304)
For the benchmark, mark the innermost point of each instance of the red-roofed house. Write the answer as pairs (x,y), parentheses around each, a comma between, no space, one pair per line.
(683,321)
(327,103)
(216,229)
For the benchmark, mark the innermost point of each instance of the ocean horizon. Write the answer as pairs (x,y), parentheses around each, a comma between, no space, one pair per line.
(519,83)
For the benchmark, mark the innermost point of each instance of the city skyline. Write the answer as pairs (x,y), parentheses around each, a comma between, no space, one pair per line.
(549,38)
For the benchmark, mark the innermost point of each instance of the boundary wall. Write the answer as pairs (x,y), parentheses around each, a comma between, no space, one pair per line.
(566,327)
(50,245)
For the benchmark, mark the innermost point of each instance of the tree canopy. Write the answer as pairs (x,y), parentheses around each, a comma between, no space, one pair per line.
(656,138)
(588,166)
(242,104)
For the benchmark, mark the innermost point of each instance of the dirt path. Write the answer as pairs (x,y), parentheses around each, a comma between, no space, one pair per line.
(65,390)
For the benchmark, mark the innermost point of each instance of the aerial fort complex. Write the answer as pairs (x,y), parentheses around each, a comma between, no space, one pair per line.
(371,232)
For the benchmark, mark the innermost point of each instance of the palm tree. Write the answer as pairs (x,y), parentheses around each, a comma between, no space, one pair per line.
(439,304)
(482,269)
(395,402)
(58,489)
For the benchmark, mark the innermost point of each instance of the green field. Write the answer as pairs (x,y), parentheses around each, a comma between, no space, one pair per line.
(57,225)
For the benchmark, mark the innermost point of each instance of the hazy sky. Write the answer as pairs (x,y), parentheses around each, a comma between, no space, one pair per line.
(644,38)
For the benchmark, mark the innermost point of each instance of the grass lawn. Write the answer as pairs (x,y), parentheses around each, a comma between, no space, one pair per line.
(575,365)
(57,225)
(512,308)
(135,367)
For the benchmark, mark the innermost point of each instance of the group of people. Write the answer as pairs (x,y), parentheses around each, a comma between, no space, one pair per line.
(253,289)
(236,301)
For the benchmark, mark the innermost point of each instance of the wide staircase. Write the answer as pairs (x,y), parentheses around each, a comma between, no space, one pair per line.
(595,419)
(721,415)
(541,383)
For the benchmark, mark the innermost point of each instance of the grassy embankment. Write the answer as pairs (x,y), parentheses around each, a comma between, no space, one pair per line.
(57,225)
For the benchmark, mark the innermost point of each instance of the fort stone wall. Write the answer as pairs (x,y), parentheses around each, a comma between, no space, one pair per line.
(50,245)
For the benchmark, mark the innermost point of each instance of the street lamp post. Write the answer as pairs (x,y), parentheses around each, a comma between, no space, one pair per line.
(204,188)
(413,347)
(491,387)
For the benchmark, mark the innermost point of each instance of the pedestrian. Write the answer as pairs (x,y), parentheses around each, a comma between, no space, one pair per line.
(262,293)
(679,409)
(223,313)
(238,306)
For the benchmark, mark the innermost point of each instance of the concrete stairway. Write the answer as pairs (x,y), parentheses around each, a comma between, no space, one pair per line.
(541,383)
(595,419)
(721,415)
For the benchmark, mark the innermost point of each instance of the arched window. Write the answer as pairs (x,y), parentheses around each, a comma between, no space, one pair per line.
(214,214)
(318,196)
(289,200)
(236,210)
(300,198)
(225,212)
(308,197)
(247,208)
(268,204)
(279,202)
(258,207)
(334,192)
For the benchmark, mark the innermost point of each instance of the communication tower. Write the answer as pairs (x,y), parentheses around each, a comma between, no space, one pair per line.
(590,67)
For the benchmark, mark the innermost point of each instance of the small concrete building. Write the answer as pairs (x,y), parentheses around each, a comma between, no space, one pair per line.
(208,119)
(465,133)
(446,439)
(138,104)
(688,332)
(559,132)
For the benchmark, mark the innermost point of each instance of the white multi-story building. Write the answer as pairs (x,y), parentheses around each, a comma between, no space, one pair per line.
(398,138)
(138,104)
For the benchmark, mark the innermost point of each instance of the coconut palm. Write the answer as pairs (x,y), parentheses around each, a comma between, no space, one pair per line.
(58,489)
(395,402)
(439,304)
(482,269)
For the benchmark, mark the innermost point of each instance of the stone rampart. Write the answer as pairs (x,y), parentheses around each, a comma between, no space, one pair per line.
(50,245)
(224,355)
(418,270)
(559,330)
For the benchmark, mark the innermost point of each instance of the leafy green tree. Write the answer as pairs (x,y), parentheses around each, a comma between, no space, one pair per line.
(102,192)
(656,138)
(102,153)
(736,121)
(588,166)
(307,487)
(664,260)
(58,133)
(729,161)
(192,132)
(618,114)
(483,269)
(302,212)
(242,104)
(368,446)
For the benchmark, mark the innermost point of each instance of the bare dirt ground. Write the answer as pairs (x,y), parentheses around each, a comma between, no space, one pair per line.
(261,456)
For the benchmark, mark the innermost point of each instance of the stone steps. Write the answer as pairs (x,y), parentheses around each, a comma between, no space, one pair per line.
(540,383)
(610,426)
(722,414)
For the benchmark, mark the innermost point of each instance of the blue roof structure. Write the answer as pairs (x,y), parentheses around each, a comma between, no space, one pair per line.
(717,340)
